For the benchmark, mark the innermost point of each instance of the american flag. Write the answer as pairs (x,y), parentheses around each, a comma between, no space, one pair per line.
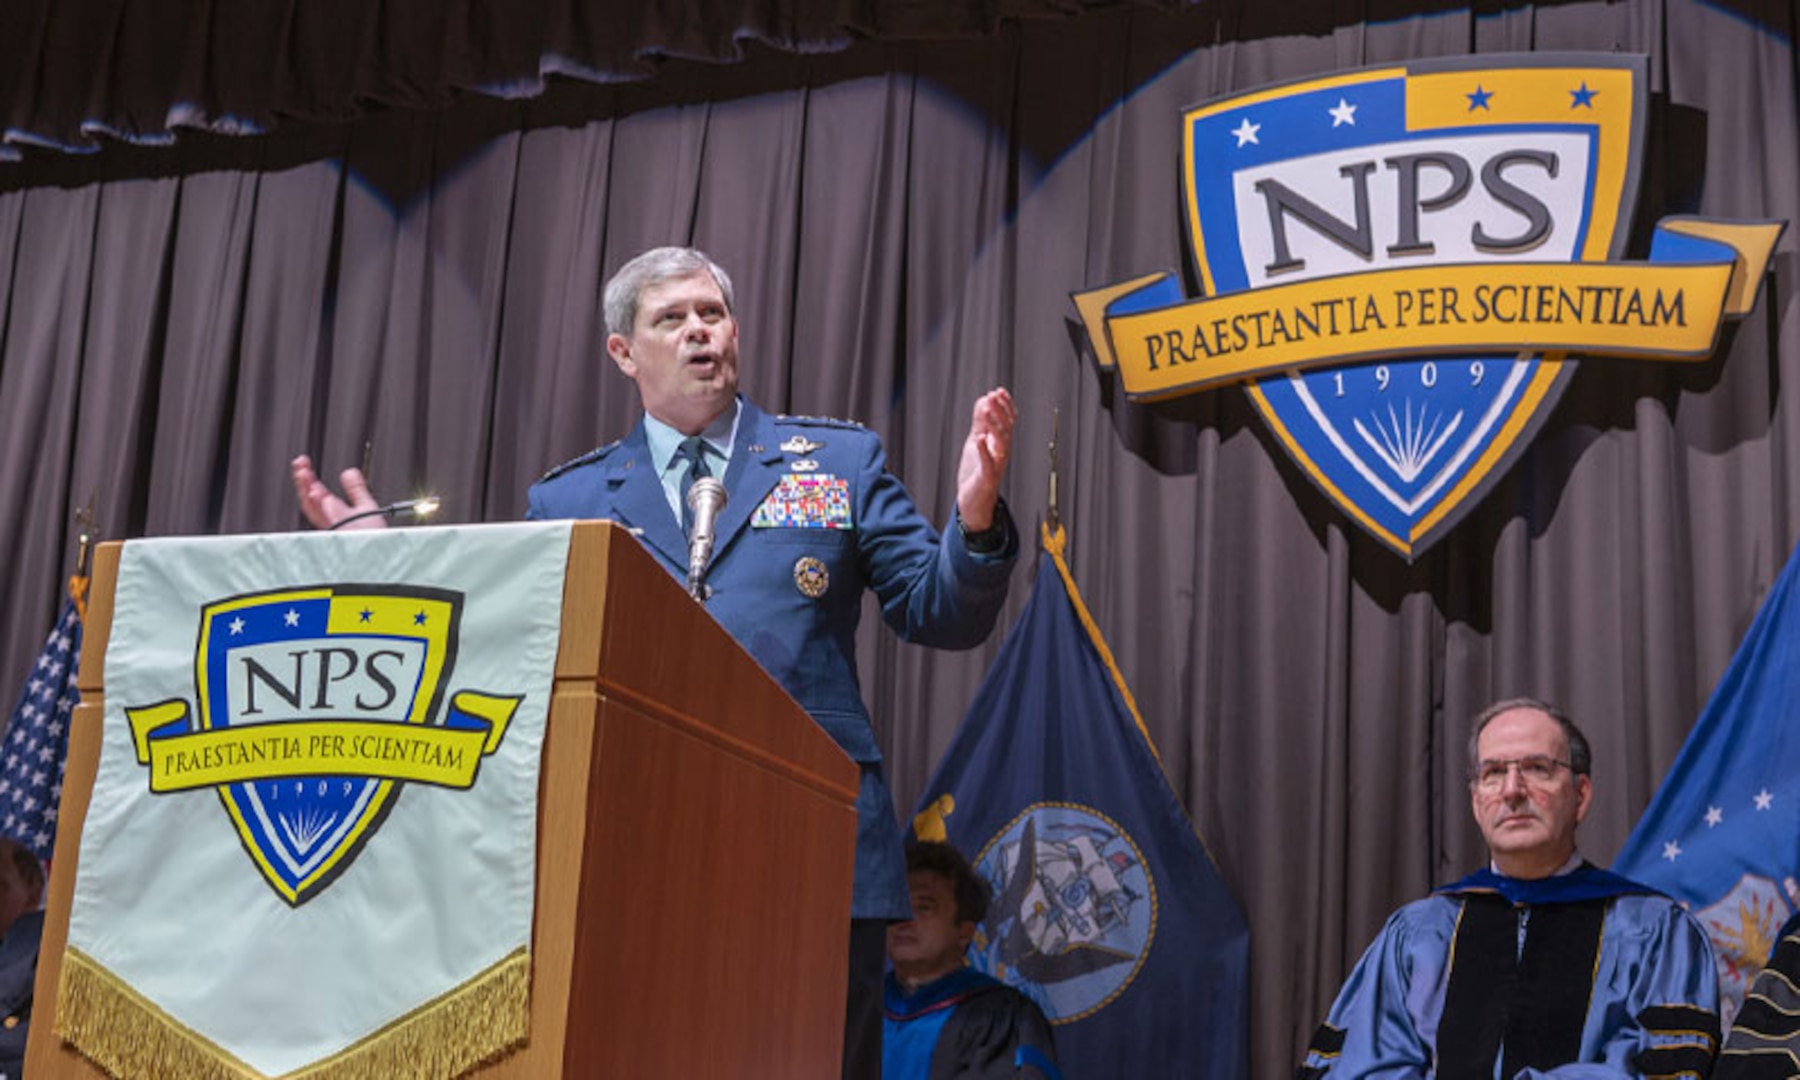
(36,743)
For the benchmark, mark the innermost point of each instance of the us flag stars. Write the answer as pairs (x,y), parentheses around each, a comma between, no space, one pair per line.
(36,741)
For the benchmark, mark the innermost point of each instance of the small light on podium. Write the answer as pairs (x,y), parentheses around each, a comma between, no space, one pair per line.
(417,509)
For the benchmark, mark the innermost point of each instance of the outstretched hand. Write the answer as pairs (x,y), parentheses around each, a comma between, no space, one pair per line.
(324,508)
(984,456)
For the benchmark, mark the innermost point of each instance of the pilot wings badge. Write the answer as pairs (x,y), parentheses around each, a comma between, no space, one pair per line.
(1399,262)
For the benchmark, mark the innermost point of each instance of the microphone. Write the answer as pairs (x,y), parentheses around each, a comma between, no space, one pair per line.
(417,508)
(706,498)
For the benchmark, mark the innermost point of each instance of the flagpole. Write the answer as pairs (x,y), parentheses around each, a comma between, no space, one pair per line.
(1053,515)
(84,546)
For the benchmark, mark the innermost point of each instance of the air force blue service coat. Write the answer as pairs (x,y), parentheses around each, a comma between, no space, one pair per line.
(1583,976)
(810,508)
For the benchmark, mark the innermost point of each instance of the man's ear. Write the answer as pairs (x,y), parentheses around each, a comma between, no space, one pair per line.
(965,933)
(1584,798)
(618,346)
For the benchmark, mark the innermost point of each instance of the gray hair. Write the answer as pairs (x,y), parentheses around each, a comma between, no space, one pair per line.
(650,269)
(1581,756)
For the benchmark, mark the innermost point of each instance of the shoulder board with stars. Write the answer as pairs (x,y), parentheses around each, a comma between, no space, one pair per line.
(596,454)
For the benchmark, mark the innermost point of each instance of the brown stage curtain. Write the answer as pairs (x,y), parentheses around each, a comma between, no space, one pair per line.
(76,75)
(906,221)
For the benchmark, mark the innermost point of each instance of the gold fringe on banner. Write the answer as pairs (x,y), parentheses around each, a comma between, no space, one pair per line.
(129,1036)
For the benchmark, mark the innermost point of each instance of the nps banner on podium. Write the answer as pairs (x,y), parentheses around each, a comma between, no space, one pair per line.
(311,844)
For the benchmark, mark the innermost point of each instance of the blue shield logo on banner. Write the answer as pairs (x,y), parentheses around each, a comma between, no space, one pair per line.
(1434,162)
(313,708)
(376,655)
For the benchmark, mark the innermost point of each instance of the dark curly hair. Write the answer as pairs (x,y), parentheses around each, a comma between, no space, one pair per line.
(936,857)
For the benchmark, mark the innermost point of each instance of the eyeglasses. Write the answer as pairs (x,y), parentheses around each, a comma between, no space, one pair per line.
(1536,771)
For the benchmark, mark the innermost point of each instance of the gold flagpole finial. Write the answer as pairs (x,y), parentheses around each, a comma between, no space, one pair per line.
(1053,516)
(84,547)
(84,536)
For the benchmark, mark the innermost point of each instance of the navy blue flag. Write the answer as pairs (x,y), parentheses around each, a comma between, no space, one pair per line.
(36,744)
(1107,910)
(1722,834)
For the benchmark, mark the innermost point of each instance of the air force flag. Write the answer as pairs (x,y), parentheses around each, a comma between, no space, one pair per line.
(1722,835)
(1107,910)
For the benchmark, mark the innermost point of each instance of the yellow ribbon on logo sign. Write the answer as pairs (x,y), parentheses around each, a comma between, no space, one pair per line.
(1652,310)
(441,756)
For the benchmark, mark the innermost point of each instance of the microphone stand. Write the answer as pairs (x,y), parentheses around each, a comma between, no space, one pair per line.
(706,498)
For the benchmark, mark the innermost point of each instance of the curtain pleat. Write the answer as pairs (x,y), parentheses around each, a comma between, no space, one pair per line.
(96,71)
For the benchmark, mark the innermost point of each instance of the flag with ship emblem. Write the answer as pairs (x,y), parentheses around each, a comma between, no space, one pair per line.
(1720,835)
(36,744)
(1107,911)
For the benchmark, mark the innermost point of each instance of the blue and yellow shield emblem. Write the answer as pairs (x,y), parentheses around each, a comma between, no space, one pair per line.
(1398,263)
(313,708)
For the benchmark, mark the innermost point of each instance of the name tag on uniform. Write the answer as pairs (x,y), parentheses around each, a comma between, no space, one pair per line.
(812,501)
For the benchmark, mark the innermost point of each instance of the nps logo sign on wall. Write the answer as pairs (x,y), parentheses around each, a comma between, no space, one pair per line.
(1398,261)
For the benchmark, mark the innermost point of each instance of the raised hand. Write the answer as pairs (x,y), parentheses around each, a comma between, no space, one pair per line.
(984,456)
(324,508)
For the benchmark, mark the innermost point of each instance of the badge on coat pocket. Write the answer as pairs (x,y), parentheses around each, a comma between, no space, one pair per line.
(811,577)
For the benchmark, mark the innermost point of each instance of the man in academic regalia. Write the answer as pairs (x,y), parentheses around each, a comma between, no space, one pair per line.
(1764,1041)
(944,1019)
(1539,965)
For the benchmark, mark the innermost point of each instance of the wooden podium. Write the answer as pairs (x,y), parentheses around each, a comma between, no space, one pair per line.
(696,833)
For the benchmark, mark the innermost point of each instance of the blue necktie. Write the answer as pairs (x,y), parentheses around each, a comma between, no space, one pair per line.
(693,451)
